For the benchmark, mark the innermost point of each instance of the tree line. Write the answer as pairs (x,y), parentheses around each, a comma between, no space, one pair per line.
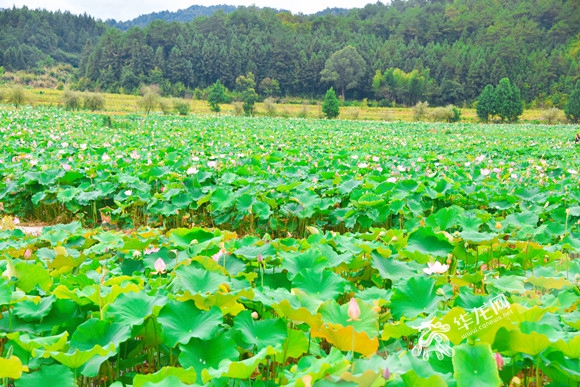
(440,51)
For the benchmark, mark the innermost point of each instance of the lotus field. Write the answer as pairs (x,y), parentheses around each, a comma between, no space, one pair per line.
(229,251)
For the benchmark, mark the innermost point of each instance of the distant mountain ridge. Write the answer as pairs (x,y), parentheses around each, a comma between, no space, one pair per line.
(195,11)
(182,15)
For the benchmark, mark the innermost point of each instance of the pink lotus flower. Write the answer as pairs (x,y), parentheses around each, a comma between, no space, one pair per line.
(160,266)
(498,360)
(27,254)
(435,268)
(260,259)
(353,310)
(151,250)
(134,155)
(218,255)
(105,157)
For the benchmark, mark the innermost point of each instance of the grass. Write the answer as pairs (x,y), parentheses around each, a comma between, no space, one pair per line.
(127,104)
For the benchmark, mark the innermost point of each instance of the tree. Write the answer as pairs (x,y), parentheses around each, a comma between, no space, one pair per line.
(217,96)
(486,104)
(344,68)
(509,105)
(572,108)
(246,86)
(330,106)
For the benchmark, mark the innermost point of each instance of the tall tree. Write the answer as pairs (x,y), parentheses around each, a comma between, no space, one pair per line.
(486,104)
(344,68)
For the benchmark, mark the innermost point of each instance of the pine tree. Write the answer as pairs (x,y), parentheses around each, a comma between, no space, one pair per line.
(572,108)
(330,106)
(509,104)
(486,104)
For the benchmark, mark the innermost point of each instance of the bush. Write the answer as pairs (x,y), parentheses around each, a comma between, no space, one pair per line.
(448,113)
(94,101)
(238,108)
(270,106)
(551,116)
(304,110)
(17,95)
(71,100)
(354,113)
(149,100)
(164,106)
(181,106)
(420,110)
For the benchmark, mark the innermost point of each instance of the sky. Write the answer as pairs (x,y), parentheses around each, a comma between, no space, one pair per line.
(122,10)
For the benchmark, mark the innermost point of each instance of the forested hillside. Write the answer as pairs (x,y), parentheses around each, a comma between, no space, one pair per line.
(439,51)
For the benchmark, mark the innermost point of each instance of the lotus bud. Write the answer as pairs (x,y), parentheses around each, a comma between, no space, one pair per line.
(386,374)
(255,315)
(353,310)
(498,360)
(160,266)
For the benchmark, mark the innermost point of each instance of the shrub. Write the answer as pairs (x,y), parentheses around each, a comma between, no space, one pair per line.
(420,110)
(448,113)
(71,100)
(304,110)
(94,101)
(150,98)
(181,106)
(238,108)
(270,106)
(551,116)
(17,95)
(164,106)
(355,113)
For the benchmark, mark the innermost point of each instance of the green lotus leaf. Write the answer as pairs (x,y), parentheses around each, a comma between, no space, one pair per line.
(425,241)
(259,334)
(560,368)
(367,322)
(5,292)
(184,237)
(133,308)
(196,280)
(29,310)
(181,321)
(446,218)
(475,366)
(202,354)
(415,297)
(31,275)
(167,376)
(296,262)
(515,341)
(77,358)
(222,199)
(95,332)
(324,285)
(58,375)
